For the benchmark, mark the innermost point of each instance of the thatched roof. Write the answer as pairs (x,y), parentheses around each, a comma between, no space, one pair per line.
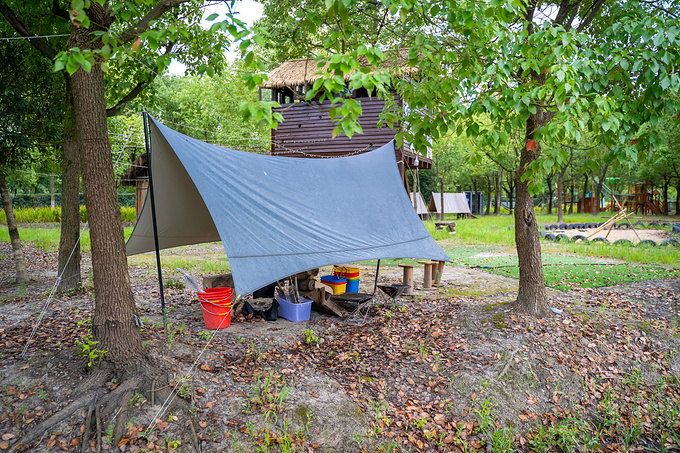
(305,70)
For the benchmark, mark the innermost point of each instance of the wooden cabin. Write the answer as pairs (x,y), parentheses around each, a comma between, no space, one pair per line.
(307,129)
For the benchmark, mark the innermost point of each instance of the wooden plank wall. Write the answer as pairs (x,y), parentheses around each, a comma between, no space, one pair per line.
(307,131)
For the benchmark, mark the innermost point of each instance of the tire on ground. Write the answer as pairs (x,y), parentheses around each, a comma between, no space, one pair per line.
(579,237)
(603,240)
(672,242)
(646,243)
(623,242)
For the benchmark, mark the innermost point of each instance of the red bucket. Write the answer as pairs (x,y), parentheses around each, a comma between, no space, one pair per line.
(220,296)
(216,316)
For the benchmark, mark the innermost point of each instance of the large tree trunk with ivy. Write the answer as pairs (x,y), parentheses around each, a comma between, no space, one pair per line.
(531,297)
(69,245)
(113,323)
(17,252)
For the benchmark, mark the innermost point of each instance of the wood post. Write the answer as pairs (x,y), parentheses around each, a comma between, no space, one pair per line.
(427,274)
(408,277)
(439,271)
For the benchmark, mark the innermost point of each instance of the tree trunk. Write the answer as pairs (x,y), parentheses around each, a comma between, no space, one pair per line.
(677,198)
(664,208)
(560,199)
(585,192)
(68,264)
(113,324)
(488,198)
(571,199)
(441,198)
(17,252)
(598,191)
(531,297)
(550,192)
(499,184)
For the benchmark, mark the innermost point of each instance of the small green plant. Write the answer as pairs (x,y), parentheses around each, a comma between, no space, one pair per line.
(254,350)
(170,283)
(183,388)
(310,337)
(502,440)
(22,288)
(267,392)
(108,439)
(204,335)
(89,351)
(486,417)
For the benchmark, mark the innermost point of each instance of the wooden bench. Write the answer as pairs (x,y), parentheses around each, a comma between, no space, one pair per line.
(451,226)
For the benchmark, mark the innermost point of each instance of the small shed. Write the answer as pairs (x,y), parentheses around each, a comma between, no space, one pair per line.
(307,129)
(454,203)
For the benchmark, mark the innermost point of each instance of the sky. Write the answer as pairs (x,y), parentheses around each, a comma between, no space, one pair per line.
(248,11)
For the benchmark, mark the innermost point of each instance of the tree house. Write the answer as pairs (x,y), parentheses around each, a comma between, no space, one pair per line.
(307,129)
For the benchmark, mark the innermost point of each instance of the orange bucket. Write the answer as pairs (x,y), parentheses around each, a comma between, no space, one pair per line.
(216,307)
(216,316)
(216,295)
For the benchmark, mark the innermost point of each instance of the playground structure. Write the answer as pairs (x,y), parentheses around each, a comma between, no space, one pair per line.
(647,200)
(642,198)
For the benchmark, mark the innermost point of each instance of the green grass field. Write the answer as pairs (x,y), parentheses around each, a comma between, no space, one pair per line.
(486,243)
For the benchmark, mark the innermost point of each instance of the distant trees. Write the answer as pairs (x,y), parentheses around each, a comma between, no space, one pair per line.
(29,126)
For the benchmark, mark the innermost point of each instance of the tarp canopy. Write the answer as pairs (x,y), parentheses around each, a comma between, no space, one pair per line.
(420,207)
(277,216)
(454,203)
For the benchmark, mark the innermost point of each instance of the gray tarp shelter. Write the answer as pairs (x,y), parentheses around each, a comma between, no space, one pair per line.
(277,216)
(454,203)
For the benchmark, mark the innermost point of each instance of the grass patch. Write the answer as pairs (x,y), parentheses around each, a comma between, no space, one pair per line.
(565,277)
(49,215)
(182,258)
(46,237)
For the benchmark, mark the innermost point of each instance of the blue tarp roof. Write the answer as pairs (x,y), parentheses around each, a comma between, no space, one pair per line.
(277,216)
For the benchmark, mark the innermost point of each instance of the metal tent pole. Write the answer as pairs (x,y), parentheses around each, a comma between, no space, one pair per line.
(147,143)
(377,272)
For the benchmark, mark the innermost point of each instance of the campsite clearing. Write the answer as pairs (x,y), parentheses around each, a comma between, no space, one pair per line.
(447,370)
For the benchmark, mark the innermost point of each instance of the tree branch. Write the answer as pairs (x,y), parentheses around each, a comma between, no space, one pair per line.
(136,91)
(58,11)
(141,26)
(594,9)
(20,28)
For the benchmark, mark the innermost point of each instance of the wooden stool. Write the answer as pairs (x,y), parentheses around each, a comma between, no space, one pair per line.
(427,275)
(408,277)
(439,271)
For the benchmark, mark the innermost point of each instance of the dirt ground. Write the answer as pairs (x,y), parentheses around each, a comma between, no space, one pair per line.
(448,370)
(633,235)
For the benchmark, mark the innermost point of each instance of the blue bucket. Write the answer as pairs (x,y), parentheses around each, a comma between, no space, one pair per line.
(352,285)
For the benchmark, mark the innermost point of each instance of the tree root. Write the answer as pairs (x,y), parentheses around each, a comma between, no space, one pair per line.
(122,419)
(507,365)
(88,425)
(46,425)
